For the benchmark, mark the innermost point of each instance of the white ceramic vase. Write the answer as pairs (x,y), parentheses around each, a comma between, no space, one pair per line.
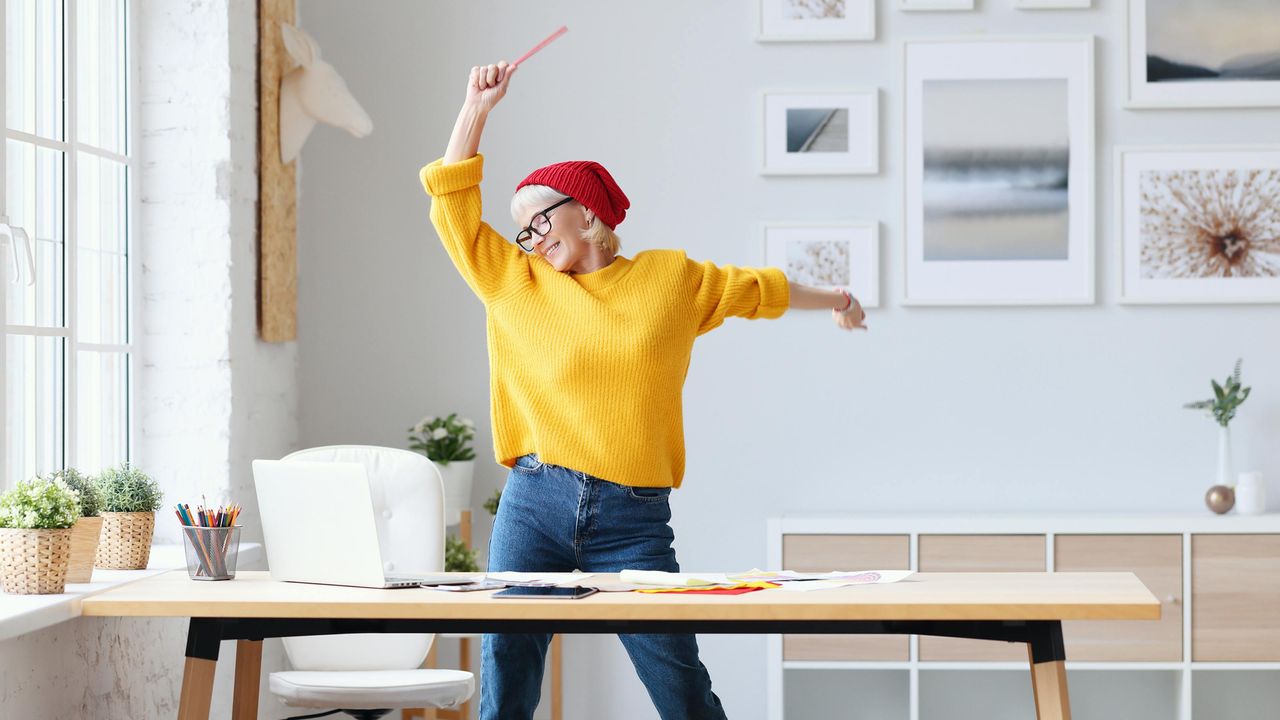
(1226,471)
(457,488)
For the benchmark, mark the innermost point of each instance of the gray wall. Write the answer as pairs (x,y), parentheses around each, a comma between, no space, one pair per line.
(935,410)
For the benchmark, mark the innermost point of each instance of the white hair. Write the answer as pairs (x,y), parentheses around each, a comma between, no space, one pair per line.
(540,196)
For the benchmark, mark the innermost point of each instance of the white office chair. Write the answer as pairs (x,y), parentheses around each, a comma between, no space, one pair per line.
(369,675)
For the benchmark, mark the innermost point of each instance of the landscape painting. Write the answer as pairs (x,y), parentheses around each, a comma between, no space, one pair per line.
(1205,52)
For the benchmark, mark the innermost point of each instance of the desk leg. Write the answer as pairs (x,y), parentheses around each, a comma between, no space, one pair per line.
(244,704)
(1049,674)
(197,675)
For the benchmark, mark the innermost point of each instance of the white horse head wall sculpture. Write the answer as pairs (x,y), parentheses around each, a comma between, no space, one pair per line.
(313,92)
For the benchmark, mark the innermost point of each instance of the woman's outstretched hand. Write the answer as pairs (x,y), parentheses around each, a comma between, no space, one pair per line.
(852,317)
(487,84)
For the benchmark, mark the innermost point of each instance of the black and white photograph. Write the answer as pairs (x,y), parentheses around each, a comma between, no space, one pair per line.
(833,133)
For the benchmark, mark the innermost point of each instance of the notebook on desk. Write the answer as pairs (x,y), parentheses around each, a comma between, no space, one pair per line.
(319,527)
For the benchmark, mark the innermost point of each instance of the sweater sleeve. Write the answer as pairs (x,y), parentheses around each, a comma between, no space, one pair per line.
(723,291)
(489,263)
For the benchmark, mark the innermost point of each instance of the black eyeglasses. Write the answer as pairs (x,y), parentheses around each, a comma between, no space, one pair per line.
(540,226)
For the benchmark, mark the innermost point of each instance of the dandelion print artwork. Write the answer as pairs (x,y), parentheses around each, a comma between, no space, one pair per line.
(818,263)
(1210,223)
(1199,224)
(845,256)
(815,9)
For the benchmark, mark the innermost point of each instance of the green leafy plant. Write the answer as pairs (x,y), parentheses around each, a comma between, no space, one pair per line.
(443,440)
(39,504)
(1227,397)
(85,486)
(458,557)
(128,489)
(492,503)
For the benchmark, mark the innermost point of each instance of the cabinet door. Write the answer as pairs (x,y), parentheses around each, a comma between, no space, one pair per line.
(978,553)
(823,553)
(1235,598)
(1157,561)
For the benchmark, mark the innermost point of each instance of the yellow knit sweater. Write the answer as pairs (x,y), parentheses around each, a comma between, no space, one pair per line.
(587,370)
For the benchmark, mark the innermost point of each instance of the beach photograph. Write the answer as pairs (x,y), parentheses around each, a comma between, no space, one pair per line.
(996,160)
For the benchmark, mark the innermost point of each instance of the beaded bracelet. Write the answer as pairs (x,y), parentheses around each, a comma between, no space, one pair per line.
(848,300)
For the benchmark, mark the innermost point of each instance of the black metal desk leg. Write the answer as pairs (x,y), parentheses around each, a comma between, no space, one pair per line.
(1048,658)
(203,636)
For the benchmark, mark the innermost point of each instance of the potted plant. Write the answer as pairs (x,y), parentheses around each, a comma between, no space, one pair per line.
(88,528)
(446,442)
(35,536)
(1227,398)
(130,499)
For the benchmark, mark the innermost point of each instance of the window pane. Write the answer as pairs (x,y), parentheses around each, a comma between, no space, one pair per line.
(101,409)
(101,280)
(36,195)
(100,74)
(34,375)
(33,67)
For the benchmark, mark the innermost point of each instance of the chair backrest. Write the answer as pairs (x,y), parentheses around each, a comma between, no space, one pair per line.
(408,506)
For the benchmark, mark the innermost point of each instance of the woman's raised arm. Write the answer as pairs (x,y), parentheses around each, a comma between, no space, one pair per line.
(486,85)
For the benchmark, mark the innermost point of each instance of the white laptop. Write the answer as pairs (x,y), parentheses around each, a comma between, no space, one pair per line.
(318,525)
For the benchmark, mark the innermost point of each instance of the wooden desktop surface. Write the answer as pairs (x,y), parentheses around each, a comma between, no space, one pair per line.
(922,596)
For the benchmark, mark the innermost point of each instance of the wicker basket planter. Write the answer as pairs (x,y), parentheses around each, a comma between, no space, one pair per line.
(126,540)
(84,549)
(34,562)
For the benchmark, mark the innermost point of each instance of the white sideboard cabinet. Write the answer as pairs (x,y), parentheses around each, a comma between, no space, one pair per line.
(1213,655)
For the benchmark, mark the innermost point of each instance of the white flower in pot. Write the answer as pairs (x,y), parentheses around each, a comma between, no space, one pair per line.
(446,442)
(35,536)
(130,499)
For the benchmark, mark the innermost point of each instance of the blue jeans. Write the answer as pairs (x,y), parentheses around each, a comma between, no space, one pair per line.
(553,519)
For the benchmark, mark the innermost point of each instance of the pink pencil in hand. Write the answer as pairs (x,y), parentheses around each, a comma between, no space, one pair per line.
(563,29)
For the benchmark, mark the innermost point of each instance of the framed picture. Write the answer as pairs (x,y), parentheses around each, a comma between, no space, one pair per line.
(839,255)
(821,133)
(816,20)
(915,5)
(998,172)
(1052,4)
(1198,224)
(1204,53)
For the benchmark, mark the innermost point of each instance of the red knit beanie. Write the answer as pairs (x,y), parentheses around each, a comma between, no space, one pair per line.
(588,183)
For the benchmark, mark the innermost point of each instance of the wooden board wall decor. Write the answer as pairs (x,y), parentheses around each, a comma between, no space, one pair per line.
(277,185)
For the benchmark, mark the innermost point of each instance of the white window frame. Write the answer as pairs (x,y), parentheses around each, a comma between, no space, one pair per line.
(71,147)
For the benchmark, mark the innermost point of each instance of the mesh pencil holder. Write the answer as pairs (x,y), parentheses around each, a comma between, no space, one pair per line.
(211,551)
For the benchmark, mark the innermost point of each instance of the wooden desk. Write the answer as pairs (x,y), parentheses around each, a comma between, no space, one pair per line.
(1014,607)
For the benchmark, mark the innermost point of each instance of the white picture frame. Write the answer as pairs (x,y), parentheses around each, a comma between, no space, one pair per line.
(1220,49)
(992,237)
(935,5)
(833,132)
(1159,250)
(828,255)
(1052,4)
(801,21)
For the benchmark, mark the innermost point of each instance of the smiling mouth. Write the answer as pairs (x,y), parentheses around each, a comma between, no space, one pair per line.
(552,249)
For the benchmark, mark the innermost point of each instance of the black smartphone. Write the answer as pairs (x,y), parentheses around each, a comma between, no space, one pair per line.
(545,593)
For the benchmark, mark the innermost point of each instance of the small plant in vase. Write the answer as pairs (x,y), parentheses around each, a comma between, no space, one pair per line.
(130,499)
(1228,396)
(446,442)
(88,528)
(35,536)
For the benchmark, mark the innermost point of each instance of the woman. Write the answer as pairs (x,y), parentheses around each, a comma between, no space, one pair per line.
(588,352)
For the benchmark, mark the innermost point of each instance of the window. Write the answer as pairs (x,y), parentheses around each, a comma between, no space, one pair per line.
(66,159)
